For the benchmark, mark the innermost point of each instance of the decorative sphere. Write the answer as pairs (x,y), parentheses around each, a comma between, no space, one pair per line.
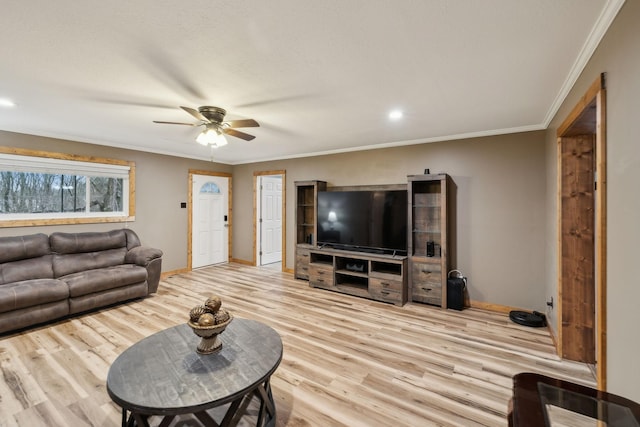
(206,319)
(213,303)
(196,312)
(221,316)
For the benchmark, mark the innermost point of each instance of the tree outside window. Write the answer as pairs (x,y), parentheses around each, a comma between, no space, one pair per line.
(58,188)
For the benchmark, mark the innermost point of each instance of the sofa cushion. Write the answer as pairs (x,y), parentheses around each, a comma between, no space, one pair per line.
(132,238)
(90,281)
(12,320)
(64,265)
(106,297)
(26,269)
(30,293)
(23,247)
(73,243)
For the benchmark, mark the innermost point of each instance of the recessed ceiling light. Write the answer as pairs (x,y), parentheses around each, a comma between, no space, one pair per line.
(4,102)
(395,115)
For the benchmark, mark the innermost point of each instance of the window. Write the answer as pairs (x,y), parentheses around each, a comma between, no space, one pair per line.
(210,187)
(50,188)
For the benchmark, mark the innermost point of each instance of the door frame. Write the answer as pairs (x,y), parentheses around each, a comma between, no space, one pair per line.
(190,213)
(260,215)
(256,174)
(589,117)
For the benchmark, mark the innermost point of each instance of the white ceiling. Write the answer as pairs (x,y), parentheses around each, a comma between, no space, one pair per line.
(319,76)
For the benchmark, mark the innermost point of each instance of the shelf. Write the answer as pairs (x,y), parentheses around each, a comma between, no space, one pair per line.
(322,259)
(306,194)
(428,227)
(351,273)
(386,268)
(374,276)
(353,289)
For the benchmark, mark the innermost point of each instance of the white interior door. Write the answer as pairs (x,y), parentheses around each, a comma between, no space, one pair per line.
(210,232)
(270,219)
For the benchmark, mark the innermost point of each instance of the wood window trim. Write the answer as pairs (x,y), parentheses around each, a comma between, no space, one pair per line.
(80,220)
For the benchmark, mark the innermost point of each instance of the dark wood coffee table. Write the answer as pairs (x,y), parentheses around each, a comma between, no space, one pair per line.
(540,401)
(164,375)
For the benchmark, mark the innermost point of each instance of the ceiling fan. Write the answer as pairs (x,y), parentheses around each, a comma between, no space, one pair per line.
(212,118)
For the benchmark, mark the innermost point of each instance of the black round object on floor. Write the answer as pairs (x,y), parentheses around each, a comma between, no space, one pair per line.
(535,319)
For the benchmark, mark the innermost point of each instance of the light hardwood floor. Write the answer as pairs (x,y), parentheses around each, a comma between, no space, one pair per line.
(347,361)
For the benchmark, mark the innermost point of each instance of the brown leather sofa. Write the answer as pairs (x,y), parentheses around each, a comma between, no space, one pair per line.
(43,278)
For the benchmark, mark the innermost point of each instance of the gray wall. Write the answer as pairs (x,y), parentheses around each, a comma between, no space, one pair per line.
(499,215)
(161,184)
(619,56)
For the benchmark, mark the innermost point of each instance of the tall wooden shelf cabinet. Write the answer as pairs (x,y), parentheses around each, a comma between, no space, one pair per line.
(306,221)
(427,239)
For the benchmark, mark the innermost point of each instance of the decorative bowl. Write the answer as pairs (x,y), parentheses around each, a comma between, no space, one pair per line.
(210,342)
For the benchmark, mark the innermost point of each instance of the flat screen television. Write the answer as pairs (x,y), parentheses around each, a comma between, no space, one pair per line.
(368,221)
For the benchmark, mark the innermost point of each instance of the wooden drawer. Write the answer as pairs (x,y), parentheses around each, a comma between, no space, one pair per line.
(385,284)
(426,283)
(321,276)
(386,291)
(302,264)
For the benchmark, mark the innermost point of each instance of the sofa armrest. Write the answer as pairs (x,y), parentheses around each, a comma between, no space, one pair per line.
(149,258)
(142,255)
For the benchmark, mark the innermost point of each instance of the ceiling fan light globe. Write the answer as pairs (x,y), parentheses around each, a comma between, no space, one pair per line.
(202,138)
(221,141)
(208,137)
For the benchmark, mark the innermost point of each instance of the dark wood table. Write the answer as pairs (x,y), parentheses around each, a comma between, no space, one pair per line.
(539,401)
(164,375)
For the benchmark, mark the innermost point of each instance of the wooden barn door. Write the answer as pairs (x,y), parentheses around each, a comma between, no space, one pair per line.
(578,254)
(582,260)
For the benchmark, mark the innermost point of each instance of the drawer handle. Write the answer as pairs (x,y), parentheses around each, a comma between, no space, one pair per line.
(320,272)
(305,256)
(305,268)
(384,292)
(321,280)
(427,289)
(384,283)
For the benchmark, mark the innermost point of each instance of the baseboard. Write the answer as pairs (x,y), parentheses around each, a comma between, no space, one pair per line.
(493,307)
(166,274)
(242,261)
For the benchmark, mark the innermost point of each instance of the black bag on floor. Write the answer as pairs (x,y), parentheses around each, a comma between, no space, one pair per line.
(455,290)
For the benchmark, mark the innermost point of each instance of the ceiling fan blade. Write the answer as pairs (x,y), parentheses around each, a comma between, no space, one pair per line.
(195,113)
(238,134)
(175,123)
(246,123)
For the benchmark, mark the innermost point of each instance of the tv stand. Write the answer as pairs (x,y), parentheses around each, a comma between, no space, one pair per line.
(374,276)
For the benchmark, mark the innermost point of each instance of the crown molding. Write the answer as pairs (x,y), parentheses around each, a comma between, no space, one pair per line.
(609,12)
